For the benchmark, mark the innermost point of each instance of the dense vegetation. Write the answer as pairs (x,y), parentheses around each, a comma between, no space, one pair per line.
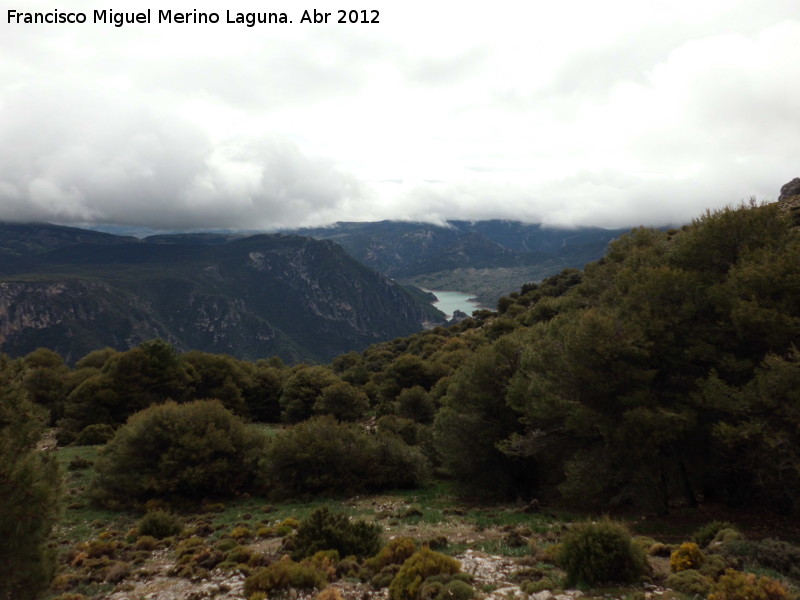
(29,484)
(664,374)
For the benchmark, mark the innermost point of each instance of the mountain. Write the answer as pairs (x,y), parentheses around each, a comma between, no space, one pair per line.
(74,291)
(488,258)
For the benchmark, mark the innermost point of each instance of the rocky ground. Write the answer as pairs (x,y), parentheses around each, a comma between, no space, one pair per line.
(489,571)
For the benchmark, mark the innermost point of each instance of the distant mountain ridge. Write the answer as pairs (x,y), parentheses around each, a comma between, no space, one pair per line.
(74,291)
(489,258)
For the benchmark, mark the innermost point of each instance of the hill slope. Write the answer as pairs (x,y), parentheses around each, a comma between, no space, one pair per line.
(252,297)
(487,258)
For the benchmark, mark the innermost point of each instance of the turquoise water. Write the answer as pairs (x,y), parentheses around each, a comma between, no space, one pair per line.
(452,301)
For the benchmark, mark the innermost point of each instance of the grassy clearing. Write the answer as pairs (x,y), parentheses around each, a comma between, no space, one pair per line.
(432,515)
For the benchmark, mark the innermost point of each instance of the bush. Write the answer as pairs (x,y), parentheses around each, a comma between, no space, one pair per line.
(713,565)
(322,456)
(454,589)
(690,582)
(705,534)
(94,435)
(159,524)
(324,530)
(769,553)
(395,552)
(687,556)
(602,552)
(283,575)
(29,491)
(189,450)
(726,536)
(779,556)
(415,403)
(407,429)
(423,564)
(735,585)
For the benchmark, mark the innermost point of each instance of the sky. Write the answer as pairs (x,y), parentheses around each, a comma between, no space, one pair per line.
(572,113)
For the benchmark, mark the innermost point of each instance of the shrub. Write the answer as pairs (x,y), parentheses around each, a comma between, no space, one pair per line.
(79,464)
(283,575)
(146,543)
(322,456)
(324,530)
(441,588)
(779,556)
(659,549)
(330,594)
(415,403)
(735,585)
(407,429)
(29,491)
(423,564)
(769,553)
(189,450)
(94,435)
(705,534)
(343,401)
(159,524)
(687,556)
(726,536)
(690,582)
(713,565)
(602,552)
(395,552)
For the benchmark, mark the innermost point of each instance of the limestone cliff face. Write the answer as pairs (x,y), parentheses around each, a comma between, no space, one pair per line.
(70,316)
(252,297)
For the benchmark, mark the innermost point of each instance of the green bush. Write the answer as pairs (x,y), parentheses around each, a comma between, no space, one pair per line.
(779,556)
(705,534)
(407,429)
(94,435)
(322,456)
(425,563)
(769,553)
(415,403)
(713,566)
(690,582)
(29,491)
(325,530)
(395,552)
(192,450)
(601,552)
(451,589)
(726,536)
(283,575)
(735,585)
(159,524)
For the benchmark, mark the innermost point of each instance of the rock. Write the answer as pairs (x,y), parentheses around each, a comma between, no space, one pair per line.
(790,189)
(458,316)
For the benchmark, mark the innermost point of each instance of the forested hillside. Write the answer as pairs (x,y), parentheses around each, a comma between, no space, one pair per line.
(485,258)
(665,373)
(662,376)
(73,291)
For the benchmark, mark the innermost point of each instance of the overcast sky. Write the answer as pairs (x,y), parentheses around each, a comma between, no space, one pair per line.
(569,112)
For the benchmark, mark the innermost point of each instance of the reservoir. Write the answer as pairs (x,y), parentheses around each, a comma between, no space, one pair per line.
(452,301)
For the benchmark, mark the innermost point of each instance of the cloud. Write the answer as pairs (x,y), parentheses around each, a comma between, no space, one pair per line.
(70,157)
(571,113)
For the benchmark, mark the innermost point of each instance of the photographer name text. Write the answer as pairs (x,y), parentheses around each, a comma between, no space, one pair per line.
(192,17)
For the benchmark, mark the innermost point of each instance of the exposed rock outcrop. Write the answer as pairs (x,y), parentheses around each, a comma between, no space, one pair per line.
(789,190)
